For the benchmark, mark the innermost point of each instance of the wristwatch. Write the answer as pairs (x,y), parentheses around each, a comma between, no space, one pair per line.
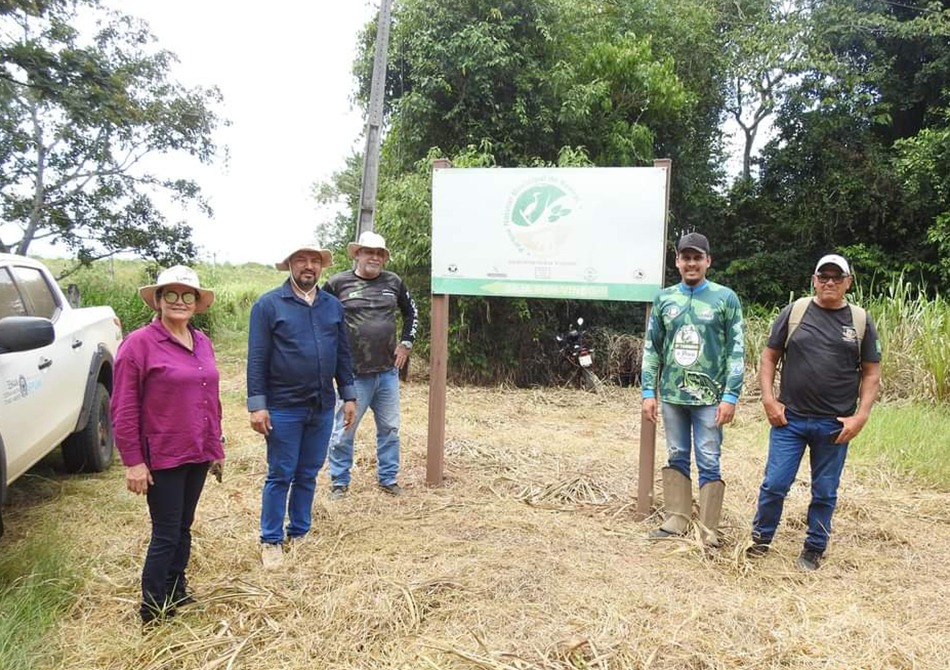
(407,344)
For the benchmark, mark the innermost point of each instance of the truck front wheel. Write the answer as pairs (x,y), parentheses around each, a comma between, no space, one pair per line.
(90,449)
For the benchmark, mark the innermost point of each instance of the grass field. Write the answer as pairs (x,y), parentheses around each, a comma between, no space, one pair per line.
(528,557)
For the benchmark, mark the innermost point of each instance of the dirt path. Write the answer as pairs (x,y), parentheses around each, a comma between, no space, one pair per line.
(528,557)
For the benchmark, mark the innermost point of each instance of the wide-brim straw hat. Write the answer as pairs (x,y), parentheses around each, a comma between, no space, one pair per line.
(325,255)
(178,274)
(368,240)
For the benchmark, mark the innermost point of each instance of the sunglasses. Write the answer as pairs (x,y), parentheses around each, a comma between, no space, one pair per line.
(173,296)
(834,279)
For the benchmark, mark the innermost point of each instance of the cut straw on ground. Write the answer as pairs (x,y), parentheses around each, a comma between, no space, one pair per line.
(529,557)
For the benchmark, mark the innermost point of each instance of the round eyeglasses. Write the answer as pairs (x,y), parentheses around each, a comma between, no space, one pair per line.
(173,296)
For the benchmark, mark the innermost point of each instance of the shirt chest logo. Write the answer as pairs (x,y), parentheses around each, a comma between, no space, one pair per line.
(849,334)
(687,346)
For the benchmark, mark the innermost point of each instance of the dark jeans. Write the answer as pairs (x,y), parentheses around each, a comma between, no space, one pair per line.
(172,500)
(786,448)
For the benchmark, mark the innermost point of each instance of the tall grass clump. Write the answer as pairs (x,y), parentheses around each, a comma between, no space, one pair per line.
(912,437)
(757,321)
(38,585)
(914,331)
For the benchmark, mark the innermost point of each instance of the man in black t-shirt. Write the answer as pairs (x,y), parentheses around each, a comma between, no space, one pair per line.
(372,296)
(831,373)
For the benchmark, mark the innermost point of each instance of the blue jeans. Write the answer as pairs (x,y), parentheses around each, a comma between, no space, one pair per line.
(296,449)
(686,424)
(786,448)
(379,392)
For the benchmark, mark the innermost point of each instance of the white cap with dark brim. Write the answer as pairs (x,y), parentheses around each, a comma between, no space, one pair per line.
(836,260)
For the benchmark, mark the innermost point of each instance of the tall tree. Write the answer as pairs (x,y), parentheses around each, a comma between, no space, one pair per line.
(870,92)
(764,43)
(518,83)
(79,117)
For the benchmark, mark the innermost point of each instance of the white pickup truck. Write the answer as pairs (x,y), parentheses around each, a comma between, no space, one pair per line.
(55,374)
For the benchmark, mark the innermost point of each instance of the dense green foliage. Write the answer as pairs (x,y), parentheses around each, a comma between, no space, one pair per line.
(914,328)
(80,111)
(851,99)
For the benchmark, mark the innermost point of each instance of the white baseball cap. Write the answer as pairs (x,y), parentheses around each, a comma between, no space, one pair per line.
(836,260)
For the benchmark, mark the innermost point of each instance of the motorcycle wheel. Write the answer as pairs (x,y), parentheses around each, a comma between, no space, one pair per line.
(592,382)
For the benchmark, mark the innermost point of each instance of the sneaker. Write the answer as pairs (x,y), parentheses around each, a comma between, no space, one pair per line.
(809,559)
(393,489)
(338,492)
(756,550)
(272,555)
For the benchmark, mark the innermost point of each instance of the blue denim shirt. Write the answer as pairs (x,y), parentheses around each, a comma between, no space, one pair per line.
(296,350)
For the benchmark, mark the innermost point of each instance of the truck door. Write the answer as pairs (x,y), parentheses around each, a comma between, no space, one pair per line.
(25,418)
(65,379)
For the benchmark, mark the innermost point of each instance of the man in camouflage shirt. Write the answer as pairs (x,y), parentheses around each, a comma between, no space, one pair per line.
(693,362)
(371,296)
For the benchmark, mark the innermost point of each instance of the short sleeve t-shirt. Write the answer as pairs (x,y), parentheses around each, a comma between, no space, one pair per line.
(821,373)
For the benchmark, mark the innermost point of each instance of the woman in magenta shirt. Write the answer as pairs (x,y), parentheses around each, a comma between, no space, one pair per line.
(167,421)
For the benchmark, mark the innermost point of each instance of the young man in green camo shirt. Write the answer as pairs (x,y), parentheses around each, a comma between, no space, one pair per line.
(693,362)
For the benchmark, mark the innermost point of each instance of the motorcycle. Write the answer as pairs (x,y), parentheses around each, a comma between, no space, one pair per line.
(574,346)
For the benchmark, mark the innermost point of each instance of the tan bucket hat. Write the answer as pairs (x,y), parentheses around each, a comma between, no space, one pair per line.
(177,274)
(325,256)
(368,240)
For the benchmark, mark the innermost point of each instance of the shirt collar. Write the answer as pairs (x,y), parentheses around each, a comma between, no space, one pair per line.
(686,288)
(161,332)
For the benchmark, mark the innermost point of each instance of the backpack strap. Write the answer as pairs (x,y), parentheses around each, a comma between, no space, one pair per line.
(795,317)
(859,319)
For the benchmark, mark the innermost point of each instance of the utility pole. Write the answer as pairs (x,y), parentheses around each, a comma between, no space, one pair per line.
(374,122)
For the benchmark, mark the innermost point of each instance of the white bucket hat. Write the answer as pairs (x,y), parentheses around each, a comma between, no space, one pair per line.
(368,240)
(326,258)
(177,274)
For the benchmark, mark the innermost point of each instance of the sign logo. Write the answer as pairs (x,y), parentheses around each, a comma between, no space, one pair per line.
(538,216)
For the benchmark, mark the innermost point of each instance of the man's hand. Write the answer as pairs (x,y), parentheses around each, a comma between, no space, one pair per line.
(138,479)
(725,413)
(260,422)
(649,410)
(775,412)
(349,413)
(402,356)
(851,426)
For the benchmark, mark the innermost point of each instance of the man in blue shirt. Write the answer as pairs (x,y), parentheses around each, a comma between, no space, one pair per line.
(297,347)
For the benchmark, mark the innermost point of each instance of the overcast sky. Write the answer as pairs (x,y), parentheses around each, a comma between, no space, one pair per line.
(285,70)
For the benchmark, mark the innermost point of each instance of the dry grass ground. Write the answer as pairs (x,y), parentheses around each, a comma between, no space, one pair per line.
(528,557)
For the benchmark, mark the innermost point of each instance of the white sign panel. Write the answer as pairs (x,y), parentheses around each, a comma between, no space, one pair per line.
(578,233)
